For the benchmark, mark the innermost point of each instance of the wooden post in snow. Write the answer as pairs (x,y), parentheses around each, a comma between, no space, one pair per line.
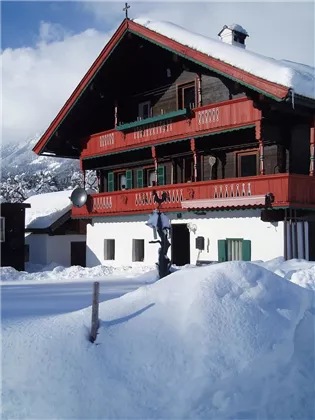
(95,304)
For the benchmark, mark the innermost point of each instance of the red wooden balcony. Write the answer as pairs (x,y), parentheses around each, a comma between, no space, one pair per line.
(294,190)
(168,127)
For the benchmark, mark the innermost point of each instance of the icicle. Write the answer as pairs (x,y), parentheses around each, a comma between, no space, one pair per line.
(292,95)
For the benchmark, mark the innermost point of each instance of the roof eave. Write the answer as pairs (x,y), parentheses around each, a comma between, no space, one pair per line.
(93,70)
(300,100)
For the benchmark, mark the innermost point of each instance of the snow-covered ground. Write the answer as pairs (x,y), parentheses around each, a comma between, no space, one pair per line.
(55,273)
(228,341)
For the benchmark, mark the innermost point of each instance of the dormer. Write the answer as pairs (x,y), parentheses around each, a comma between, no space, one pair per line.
(234,35)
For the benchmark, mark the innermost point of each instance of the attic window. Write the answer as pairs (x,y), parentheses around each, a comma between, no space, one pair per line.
(238,39)
(186,95)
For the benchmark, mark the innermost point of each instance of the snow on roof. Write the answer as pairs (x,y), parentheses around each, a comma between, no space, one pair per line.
(296,76)
(46,209)
(235,27)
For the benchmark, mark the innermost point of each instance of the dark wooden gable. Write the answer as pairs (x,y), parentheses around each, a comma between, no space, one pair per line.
(129,66)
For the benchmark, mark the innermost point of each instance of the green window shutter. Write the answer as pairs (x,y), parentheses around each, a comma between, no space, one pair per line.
(129,179)
(161,175)
(247,248)
(110,181)
(140,178)
(222,250)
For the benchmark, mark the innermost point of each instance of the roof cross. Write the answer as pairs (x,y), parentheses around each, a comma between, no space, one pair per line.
(125,9)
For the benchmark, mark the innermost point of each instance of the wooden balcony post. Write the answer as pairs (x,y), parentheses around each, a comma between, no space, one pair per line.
(199,93)
(98,177)
(153,151)
(116,114)
(312,147)
(193,149)
(83,172)
(259,138)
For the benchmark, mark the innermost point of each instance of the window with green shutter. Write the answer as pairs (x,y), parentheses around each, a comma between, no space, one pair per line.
(140,178)
(110,182)
(234,249)
(247,250)
(161,175)
(222,250)
(129,179)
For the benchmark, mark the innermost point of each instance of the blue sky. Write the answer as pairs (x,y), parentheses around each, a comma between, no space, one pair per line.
(48,46)
(20,20)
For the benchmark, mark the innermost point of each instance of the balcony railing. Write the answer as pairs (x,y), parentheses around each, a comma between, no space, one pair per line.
(203,120)
(294,190)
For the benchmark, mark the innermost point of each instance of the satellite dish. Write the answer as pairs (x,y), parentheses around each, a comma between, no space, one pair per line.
(212,161)
(79,197)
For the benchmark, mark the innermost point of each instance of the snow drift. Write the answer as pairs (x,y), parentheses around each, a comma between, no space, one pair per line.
(56,273)
(227,341)
(301,272)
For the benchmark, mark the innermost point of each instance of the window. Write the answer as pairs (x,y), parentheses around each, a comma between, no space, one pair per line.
(234,249)
(150,177)
(145,177)
(144,110)
(188,169)
(26,253)
(238,38)
(247,164)
(117,181)
(122,181)
(2,229)
(186,95)
(138,250)
(109,249)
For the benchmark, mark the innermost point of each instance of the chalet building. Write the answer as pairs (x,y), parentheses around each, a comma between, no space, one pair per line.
(51,235)
(228,135)
(12,234)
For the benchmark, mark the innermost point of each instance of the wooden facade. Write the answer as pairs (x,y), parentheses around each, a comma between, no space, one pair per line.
(13,235)
(182,122)
(202,121)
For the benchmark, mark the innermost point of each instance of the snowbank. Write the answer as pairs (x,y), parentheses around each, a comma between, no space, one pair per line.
(226,341)
(53,272)
(298,271)
(292,75)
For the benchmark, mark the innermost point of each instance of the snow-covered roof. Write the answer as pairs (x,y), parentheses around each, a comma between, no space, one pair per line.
(296,76)
(46,209)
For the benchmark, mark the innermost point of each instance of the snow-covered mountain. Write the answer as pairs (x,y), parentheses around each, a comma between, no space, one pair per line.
(19,158)
(23,173)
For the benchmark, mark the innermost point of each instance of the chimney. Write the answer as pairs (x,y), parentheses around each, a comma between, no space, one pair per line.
(234,35)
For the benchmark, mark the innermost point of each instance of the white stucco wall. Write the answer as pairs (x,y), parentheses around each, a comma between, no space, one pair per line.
(45,249)
(37,248)
(59,248)
(267,240)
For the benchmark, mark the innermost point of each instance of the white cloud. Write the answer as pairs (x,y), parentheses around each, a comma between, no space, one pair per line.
(37,81)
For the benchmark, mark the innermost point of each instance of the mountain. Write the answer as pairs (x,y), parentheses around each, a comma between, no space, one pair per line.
(18,158)
(23,173)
